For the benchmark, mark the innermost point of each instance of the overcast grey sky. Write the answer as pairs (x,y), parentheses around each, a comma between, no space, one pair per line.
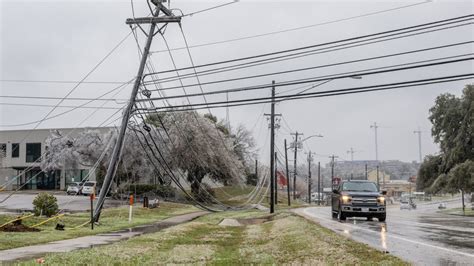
(63,40)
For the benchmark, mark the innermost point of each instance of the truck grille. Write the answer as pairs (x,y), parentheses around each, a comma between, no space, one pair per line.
(364,201)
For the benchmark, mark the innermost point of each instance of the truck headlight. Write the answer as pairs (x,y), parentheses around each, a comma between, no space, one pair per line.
(346,199)
(381,200)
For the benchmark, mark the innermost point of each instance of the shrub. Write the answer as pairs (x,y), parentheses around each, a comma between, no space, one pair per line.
(45,204)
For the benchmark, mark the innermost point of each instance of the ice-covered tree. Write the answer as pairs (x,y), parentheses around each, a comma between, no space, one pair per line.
(199,148)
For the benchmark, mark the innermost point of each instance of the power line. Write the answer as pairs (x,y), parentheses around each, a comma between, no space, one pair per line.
(210,8)
(417,27)
(65,99)
(320,66)
(61,106)
(302,27)
(380,87)
(372,71)
(59,81)
(304,54)
(68,111)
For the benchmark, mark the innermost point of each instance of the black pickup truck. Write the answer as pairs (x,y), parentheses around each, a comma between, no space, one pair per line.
(358,198)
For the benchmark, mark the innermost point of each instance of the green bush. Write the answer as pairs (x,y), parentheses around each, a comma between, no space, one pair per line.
(45,204)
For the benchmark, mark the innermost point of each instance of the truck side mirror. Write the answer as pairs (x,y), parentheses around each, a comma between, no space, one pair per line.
(384,192)
(335,191)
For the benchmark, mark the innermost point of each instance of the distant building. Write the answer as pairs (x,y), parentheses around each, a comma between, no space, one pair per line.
(22,154)
(397,188)
(383,177)
(397,170)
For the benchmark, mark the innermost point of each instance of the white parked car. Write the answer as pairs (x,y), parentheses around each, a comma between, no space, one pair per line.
(74,188)
(442,205)
(89,188)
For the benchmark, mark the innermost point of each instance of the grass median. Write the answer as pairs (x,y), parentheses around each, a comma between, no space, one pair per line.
(468,211)
(284,239)
(111,219)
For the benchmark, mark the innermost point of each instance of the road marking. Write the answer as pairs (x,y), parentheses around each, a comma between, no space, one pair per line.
(392,235)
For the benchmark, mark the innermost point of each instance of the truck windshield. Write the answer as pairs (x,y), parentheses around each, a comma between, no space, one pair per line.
(359,186)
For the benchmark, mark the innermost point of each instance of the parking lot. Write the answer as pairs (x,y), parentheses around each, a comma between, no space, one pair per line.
(22,201)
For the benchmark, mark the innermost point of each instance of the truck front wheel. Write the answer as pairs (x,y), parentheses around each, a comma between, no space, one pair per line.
(340,215)
(382,217)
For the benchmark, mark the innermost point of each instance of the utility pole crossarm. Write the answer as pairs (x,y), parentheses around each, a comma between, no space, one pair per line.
(150,20)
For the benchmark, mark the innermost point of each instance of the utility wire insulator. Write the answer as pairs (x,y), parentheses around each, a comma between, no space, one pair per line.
(146,93)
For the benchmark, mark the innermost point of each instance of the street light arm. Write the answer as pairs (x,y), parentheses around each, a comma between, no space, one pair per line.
(318,135)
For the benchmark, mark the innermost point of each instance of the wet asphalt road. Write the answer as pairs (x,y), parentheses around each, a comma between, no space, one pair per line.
(422,236)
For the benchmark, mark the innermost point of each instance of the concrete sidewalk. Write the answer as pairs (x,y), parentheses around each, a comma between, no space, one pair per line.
(35,251)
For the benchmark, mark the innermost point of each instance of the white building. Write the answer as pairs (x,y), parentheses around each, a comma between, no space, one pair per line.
(20,165)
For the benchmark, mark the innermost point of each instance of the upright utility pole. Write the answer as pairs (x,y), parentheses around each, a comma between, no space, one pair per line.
(319,183)
(310,158)
(374,126)
(272,150)
(296,154)
(168,17)
(352,151)
(287,174)
(419,144)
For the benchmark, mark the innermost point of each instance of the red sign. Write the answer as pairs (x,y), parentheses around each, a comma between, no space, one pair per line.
(281,179)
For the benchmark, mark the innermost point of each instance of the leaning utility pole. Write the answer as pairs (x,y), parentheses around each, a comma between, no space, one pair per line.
(296,154)
(115,157)
(419,143)
(287,174)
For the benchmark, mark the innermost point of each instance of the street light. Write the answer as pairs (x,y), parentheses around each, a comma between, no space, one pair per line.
(318,135)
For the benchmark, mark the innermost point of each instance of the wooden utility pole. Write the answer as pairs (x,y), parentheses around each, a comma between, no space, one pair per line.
(310,158)
(319,183)
(168,17)
(287,174)
(296,155)
(272,150)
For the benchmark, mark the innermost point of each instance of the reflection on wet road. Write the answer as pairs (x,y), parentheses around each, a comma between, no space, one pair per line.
(422,236)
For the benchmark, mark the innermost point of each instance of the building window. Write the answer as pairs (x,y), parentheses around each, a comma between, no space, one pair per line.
(15,150)
(33,152)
